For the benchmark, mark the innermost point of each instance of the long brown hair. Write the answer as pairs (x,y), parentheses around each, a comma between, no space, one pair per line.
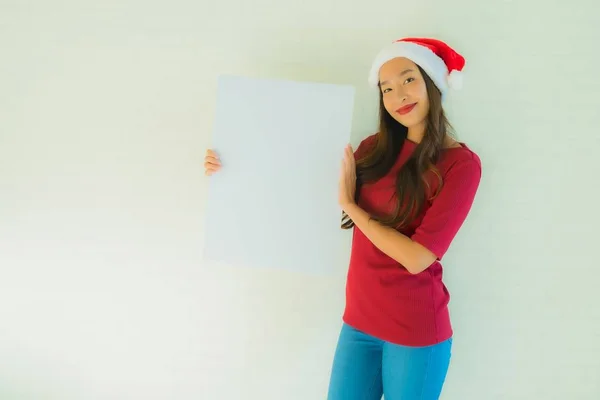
(412,185)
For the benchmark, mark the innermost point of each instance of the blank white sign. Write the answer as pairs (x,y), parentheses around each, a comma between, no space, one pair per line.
(274,202)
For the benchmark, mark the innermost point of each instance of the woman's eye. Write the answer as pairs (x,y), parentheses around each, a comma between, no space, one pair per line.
(409,80)
(386,90)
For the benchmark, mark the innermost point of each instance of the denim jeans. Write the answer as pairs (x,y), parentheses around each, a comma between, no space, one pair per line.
(365,368)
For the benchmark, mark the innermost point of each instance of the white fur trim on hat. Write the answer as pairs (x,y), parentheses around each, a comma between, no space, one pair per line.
(433,65)
(455,79)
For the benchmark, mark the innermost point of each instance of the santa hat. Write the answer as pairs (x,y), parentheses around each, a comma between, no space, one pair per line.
(442,64)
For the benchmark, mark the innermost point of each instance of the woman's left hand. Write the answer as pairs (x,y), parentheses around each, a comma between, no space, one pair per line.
(347,184)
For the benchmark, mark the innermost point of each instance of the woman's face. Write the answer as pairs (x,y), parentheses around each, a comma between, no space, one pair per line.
(404,91)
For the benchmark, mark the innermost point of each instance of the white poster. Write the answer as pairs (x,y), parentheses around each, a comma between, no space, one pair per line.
(274,202)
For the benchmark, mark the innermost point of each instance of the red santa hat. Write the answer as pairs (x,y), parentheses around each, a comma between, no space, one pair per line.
(442,63)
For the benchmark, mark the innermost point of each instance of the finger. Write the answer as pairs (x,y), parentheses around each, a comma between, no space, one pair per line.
(351,160)
(350,152)
(212,160)
(344,165)
(213,168)
(348,157)
(343,171)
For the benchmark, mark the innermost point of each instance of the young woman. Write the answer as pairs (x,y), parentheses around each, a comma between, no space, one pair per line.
(406,192)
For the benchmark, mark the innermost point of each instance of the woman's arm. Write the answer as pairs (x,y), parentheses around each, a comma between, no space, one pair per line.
(412,255)
(439,225)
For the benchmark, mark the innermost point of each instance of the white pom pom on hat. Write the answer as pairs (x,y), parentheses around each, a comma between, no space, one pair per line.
(442,63)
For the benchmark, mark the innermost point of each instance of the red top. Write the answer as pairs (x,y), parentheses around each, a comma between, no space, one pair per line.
(383,299)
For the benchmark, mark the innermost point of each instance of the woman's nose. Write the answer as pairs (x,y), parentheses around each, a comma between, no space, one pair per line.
(400,94)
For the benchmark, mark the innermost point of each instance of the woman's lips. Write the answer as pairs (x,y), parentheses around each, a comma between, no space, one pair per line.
(406,109)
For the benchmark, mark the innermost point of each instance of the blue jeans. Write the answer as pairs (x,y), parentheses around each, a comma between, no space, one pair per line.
(365,368)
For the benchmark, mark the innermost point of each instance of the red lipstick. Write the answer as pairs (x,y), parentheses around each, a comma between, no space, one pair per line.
(406,109)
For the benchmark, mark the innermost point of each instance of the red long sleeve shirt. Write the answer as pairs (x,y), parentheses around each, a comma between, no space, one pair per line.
(384,299)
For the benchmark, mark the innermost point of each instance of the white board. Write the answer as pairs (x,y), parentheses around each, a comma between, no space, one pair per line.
(274,203)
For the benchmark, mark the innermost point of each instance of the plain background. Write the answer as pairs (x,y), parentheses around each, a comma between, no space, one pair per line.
(106,109)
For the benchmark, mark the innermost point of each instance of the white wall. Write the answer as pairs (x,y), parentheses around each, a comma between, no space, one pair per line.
(105,112)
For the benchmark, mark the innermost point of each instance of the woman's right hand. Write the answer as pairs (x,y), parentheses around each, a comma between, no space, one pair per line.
(212,163)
